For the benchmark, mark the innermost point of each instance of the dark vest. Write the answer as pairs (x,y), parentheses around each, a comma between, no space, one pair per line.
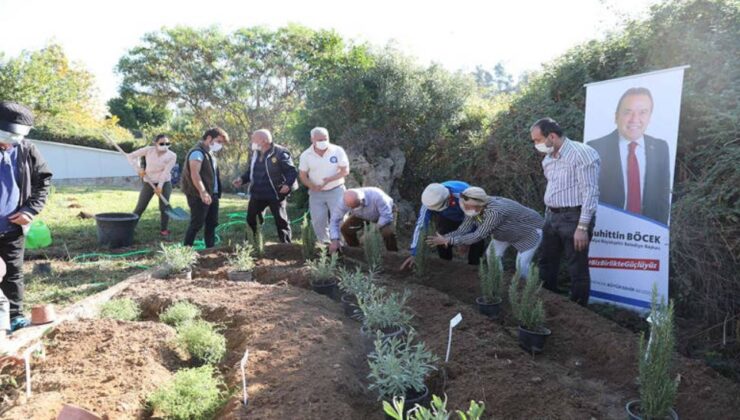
(206,174)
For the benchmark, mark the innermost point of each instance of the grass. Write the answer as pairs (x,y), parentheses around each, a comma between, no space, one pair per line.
(190,394)
(76,275)
(122,309)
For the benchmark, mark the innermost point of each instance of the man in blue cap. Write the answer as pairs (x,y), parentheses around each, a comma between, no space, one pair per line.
(25,180)
(441,203)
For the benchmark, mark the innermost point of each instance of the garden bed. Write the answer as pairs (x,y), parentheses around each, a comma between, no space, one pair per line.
(306,358)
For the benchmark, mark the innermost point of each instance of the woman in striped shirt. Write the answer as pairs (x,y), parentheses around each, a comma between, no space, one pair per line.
(506,221)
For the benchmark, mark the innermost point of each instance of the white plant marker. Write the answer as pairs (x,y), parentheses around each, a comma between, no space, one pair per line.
(453,323)
(243,365)
(27,363)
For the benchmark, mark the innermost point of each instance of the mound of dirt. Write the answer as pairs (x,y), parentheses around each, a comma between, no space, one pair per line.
(105,366)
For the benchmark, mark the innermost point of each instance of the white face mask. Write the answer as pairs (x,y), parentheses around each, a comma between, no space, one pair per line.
(162,148)
(322,145)
(543,148)
(215,147)
(471,213)
(10,138)
(256,147)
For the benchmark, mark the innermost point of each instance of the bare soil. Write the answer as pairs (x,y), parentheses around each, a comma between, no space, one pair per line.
(306,359)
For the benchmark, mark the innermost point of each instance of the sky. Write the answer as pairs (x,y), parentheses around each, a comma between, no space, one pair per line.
(458,34)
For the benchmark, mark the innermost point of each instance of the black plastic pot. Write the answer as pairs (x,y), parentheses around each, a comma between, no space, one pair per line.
(533,341)
(240,275)
(329,290)
(349,304)
(412,398)
(633,411)
(490,310)
(368,337)
(116,230)
(42,268)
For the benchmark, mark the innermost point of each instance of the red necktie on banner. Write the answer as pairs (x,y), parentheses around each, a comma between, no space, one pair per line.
(633,180)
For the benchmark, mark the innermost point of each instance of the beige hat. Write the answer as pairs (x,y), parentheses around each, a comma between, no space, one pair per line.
(435,197)
(474,195)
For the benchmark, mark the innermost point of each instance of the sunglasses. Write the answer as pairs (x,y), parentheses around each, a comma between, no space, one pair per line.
(163,144)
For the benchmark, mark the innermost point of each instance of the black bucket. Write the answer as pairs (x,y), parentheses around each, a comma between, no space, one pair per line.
(116,230)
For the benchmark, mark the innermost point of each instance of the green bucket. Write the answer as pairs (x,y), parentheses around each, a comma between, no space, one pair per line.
(38,236)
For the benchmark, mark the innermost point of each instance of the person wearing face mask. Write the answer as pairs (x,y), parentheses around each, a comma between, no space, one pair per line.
(201,185)
(506,221)
(25,180)
(571,196)
(323,167)
(441,203)
(271,177)
(159,163)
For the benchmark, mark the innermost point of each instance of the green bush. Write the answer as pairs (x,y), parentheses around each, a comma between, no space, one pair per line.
(191,394)
(243,259)
(438,410)
(398,367)
(527,306)
(179,313)
(383,311)
(202,341)
(124,309)
(490,274)
(324,268)
(308,239)
(355,283)
(422,251)
(372,244)
(657,387)
(177,258)
(257,240)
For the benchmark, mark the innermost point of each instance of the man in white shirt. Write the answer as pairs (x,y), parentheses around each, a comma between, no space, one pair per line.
(322,169)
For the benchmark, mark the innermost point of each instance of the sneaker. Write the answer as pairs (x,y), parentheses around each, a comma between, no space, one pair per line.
(164,233)
(19,322)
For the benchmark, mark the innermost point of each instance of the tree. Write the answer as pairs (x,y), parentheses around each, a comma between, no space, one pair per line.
(137,111)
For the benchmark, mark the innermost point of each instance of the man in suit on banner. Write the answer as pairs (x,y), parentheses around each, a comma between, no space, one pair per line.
(635,170)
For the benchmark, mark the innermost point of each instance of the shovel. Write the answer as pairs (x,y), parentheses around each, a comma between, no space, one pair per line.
(176,213)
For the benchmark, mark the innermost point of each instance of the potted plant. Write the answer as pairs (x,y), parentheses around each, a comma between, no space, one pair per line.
(308,239)
(372,245)
(529,311)
(399,369)
(491,286)
(437,410)
(176,260)
(257,240)
(323,273)
(354,285)
(657,388)
(242,263)
(384,316)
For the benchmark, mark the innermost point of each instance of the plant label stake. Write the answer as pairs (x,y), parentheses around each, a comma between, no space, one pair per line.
(243,365)
(27,362)
(453,323)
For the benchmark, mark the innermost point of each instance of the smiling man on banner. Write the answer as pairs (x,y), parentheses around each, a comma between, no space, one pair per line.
(635,171)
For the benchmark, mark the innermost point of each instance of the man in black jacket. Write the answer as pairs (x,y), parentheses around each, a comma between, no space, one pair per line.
(24,186)
(271,177)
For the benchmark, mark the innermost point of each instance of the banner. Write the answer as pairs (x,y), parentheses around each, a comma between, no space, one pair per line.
(632,122)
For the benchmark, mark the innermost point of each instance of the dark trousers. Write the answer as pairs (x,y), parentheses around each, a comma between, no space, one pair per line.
(557,240)
(445,225)
(279,210)
(145,196)
(353,225)
(202,214)
(11,251)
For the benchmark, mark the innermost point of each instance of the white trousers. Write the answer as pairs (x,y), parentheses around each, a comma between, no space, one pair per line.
(523,258)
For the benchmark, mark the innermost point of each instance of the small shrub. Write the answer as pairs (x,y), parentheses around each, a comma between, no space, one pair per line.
(202,341)
(179,313)
(438,410)
(308,239)
(382,312)
(490,274)
(257,240)
(355,283)
(397,366)
(527,308)
(191,394)
(243,258)
(657,388)
(122,309)
(177,258)
(372,243)
(323,269)
(422,251)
